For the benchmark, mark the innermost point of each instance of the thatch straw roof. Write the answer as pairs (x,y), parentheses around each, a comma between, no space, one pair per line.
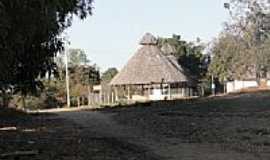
(150,65)
(148,39)
(191,78)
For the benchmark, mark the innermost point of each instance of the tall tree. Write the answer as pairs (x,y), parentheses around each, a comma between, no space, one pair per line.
(30,36)
(242,49)
(251,25)
(82,75)
(228,58)
(81,71)
(77,57)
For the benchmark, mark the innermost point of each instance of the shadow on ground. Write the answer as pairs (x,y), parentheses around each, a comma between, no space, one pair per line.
(236,125)
(46,136)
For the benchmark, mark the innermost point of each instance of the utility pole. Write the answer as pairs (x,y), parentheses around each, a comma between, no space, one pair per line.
(67,79)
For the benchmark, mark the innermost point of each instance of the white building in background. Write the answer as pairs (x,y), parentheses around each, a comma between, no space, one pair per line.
(250,80)
(237,85)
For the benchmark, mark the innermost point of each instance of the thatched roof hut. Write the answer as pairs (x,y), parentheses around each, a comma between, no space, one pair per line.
(150,66)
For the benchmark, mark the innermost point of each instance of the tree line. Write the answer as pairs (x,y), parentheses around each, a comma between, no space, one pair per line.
(31,38)
(242,50)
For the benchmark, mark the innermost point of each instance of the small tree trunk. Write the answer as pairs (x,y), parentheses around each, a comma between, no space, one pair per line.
(78,101)
(5,98)
(23,102)
(202,89)
(89,96)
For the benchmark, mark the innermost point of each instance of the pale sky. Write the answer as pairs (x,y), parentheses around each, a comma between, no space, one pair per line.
(110,37)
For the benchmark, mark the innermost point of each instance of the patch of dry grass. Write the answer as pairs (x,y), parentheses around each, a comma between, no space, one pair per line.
(237,122)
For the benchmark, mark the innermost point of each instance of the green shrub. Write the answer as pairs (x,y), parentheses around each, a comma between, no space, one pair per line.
(44,101)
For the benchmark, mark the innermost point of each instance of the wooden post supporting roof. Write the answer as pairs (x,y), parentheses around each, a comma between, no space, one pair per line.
(89,92)
(149,91)
(116,94)
(113,97)
(100,97)
(142,90)
(108,96)
(183,91)
(128,92)
(170,94)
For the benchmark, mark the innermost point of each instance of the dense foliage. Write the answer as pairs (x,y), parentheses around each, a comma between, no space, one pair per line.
(30,36)
(82,75)
(242,49)
(77,57)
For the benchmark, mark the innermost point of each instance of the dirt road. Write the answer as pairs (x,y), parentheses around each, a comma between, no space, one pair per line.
(102,125)
(223,128)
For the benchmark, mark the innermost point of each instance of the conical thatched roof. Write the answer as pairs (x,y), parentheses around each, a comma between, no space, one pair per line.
(149,65)
(148,39)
